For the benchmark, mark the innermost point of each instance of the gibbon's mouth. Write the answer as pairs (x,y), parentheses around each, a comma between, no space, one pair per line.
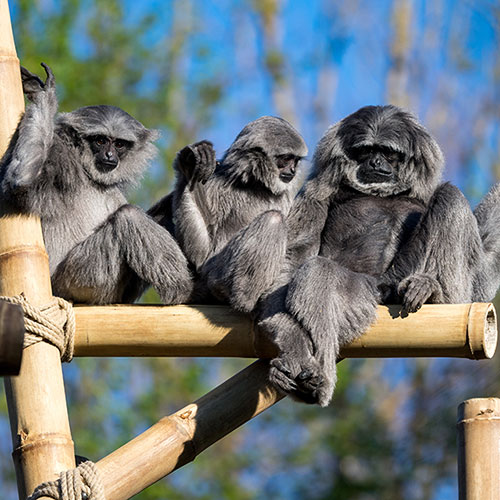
(286,177)
(107,166)
(374,177)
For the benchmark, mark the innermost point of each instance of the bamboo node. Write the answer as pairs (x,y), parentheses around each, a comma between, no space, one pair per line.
(82,483)
(187,412)
(53,322)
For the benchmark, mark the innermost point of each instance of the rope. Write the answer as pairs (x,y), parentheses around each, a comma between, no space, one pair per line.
(82,483)
(53,322)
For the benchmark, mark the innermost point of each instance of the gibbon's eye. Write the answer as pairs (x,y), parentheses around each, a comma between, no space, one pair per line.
(100,140)
(392,156)
(287,161)
(121,144)
(361,153)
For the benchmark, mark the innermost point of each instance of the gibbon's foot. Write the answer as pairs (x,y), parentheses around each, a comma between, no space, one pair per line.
(303,381)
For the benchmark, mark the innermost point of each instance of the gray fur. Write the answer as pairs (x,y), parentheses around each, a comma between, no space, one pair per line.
(228,216)
(101,249)
(352,221)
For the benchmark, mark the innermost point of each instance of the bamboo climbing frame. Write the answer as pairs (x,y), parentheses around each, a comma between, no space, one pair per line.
(42,444)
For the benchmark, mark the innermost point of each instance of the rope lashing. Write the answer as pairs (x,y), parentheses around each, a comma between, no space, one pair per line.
(82,483)
(53,322)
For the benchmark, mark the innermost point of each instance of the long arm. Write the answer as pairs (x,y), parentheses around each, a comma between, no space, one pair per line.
(441,260)
(194,165)
(33,138)
(487,214)
(306,221)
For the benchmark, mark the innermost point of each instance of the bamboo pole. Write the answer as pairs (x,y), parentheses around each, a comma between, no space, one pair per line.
(178,439)
(11,338)
(479,449)
(37,405)
(455,330)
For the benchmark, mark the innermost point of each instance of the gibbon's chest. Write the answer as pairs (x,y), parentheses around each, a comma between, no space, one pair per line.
(77,221)
(235,212)
(364,233)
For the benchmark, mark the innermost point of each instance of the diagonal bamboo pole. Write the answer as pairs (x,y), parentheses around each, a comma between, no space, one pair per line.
(176,440)
(37,405)
(452,330)
(479,449)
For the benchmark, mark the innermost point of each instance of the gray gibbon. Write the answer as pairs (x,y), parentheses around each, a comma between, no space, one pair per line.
(372,225)
(72,169)
(228,216)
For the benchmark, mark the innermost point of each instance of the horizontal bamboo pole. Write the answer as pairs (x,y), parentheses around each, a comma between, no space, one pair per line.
(478,449)
(179,438)
(452,330)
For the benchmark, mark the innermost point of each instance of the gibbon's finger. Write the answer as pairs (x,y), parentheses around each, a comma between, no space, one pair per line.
(208,163)
(50,81)
(28,75)
(281,381)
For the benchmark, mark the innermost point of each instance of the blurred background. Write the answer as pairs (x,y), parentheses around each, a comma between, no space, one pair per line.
(202,69)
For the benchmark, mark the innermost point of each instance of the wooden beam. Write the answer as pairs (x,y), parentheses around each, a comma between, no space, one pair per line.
(478,449)
(37,405)
(453,330)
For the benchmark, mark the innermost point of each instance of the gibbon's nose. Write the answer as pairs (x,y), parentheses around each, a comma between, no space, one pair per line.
(380,166)
(109,154)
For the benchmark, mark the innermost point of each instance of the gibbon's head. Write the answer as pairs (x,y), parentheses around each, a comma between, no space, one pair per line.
(116,148)
(266,152)
(381,151)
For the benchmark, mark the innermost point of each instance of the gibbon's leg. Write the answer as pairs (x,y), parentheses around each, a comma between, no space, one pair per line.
(334,305)
(250,262)
(324,307)
(294,371)
(129,243)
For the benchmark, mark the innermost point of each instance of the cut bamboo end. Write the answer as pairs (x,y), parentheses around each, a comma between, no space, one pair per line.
(478,450)
(482,331)
(452,330)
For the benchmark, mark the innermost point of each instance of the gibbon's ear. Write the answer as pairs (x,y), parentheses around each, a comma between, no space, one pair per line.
(425,163)
(328,165)
(149,135)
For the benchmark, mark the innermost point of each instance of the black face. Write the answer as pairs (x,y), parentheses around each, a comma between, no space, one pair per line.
(108,151)
(287,165)
(376,164)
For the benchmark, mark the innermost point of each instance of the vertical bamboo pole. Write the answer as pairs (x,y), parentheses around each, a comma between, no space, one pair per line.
(479,449)
(37,404)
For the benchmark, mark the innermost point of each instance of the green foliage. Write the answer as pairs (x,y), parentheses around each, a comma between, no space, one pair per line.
(100,55)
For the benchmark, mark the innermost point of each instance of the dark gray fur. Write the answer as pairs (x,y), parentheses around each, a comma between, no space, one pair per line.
(97,243)
(228,216)
(354,243)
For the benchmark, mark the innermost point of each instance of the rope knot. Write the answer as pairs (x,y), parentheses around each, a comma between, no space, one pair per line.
(53,322)
(82,483)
